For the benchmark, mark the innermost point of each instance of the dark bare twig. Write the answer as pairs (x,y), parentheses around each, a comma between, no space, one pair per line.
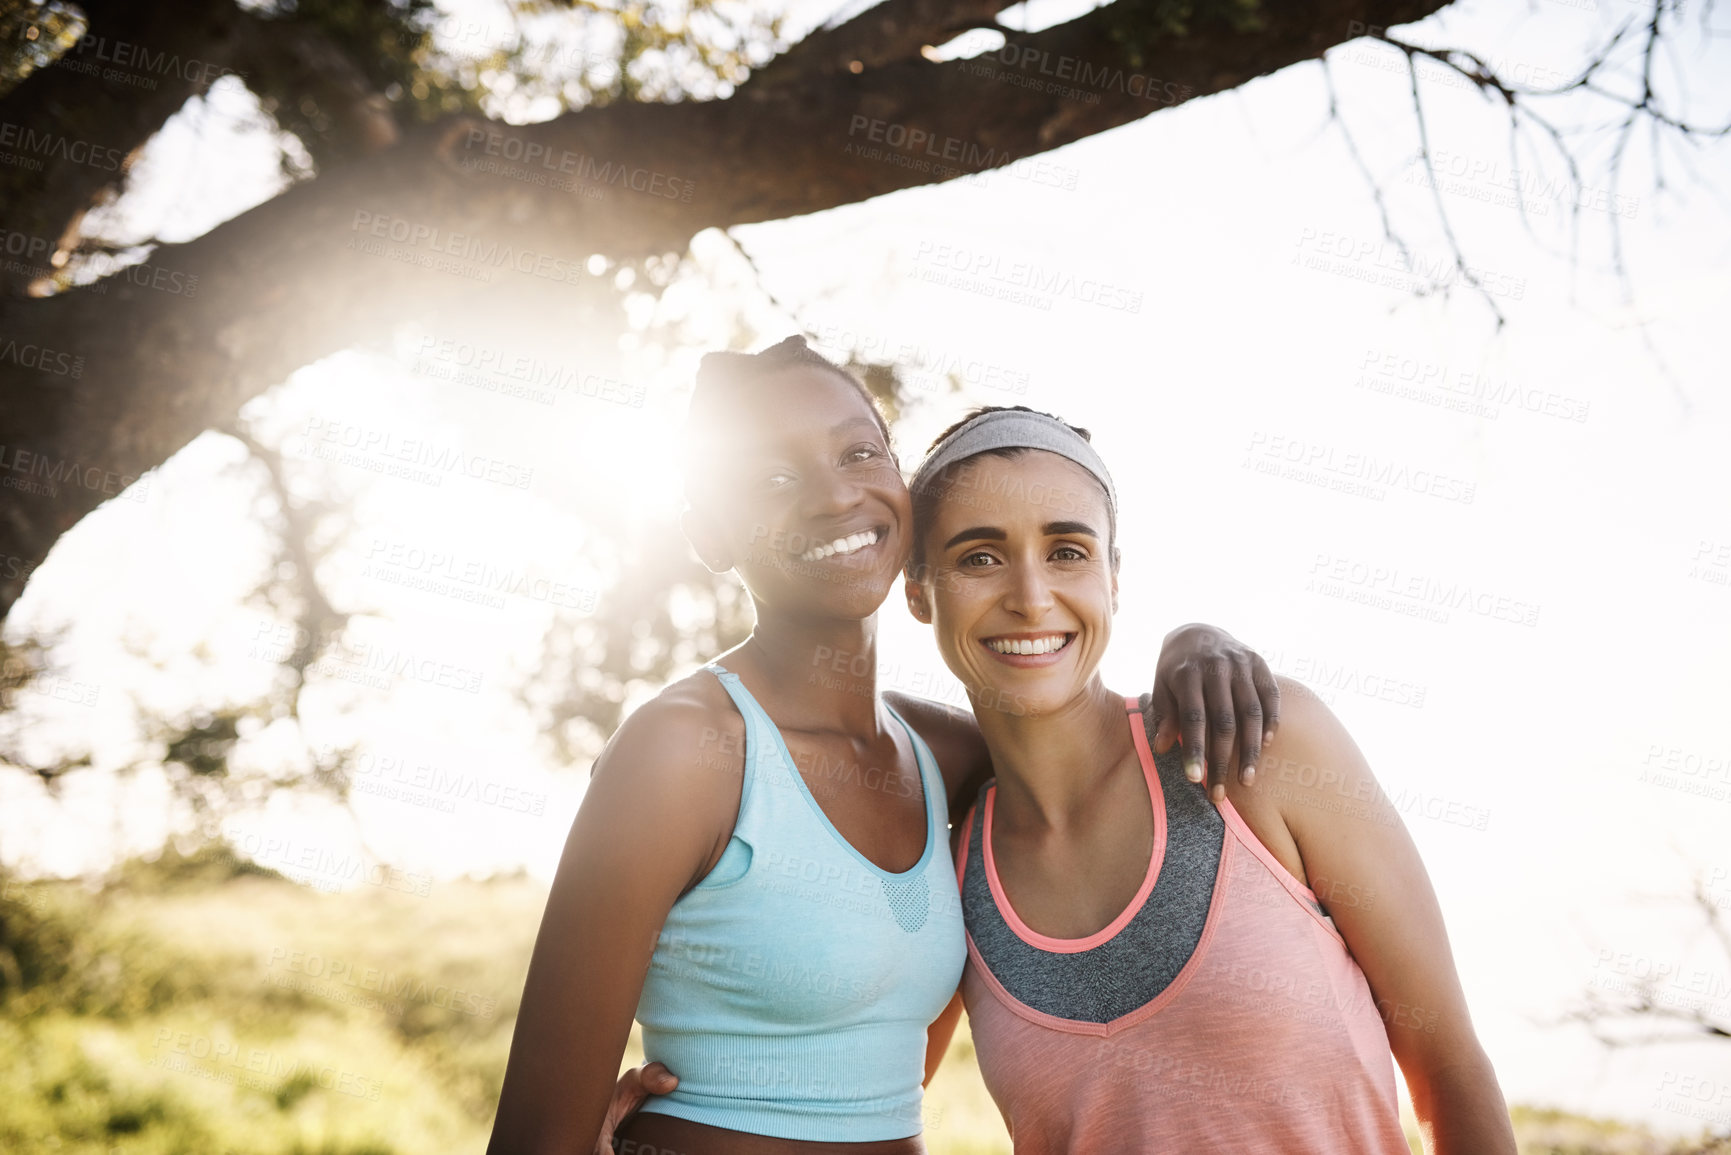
(1619,1022)
(762,282)
(1645,106)
(1335,117)
(317,621)
(1471,277)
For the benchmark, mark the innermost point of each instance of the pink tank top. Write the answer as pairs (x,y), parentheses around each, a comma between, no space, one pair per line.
(1265,1040)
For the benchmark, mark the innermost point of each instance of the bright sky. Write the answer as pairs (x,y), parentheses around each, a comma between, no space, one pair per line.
(1307,457)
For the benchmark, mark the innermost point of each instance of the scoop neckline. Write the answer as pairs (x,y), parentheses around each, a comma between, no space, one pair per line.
(1156,857)
(920,763)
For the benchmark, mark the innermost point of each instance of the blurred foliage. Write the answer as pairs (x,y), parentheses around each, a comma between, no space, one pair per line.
(28,671)
(1139,25)
(37,35)
(526,60)
(1546,1131)
(220,954)
(662,611)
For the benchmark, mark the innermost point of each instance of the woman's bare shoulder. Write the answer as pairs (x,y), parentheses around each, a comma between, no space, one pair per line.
(681,737)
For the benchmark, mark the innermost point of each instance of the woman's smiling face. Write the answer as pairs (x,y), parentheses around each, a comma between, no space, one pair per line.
(806,503)
(1019,580)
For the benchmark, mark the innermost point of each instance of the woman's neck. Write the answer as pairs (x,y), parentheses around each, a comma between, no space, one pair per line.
(1050,766)
(821,672)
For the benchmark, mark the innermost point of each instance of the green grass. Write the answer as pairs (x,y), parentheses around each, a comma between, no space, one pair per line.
(202,1005)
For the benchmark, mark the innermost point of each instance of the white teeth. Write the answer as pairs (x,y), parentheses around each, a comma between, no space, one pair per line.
(1030,646)
(841,545)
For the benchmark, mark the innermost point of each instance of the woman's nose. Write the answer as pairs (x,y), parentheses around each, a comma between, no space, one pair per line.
(834,492)
(1030,594)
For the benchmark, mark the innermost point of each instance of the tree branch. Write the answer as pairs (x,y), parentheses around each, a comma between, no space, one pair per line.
(74,126)
(466,207)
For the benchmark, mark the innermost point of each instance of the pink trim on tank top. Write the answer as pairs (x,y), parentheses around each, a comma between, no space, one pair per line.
(1191,967)
(1242,837)
(1157,809)
(1047,1087)
(1306,897)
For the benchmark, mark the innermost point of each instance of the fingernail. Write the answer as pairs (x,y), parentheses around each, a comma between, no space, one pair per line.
(1267,737)
(1194,771)
(1218,793)
(1247,775)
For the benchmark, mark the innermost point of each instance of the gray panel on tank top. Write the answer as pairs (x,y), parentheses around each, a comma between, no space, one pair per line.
(1141,960)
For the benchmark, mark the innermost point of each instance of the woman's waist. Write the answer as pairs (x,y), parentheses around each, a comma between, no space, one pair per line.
(867,1067)
(657,1133)
(857,1085)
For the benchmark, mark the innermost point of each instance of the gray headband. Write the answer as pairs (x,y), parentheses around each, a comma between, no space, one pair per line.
(1013,429)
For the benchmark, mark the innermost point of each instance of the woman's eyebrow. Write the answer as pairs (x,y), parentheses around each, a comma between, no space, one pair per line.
(841,427)
(1066,528)
(977,533)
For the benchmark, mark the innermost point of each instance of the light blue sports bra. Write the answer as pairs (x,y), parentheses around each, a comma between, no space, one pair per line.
(791,989)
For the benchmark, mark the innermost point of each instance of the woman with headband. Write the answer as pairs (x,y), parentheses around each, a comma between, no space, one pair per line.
(1146,971)
(760,870)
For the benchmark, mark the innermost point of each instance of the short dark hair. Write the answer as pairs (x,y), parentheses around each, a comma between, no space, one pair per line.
(722,374)
(925,497)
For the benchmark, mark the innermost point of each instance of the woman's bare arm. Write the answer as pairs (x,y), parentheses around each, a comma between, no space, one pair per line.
(939,1034)
(661,804)
(1321,812)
